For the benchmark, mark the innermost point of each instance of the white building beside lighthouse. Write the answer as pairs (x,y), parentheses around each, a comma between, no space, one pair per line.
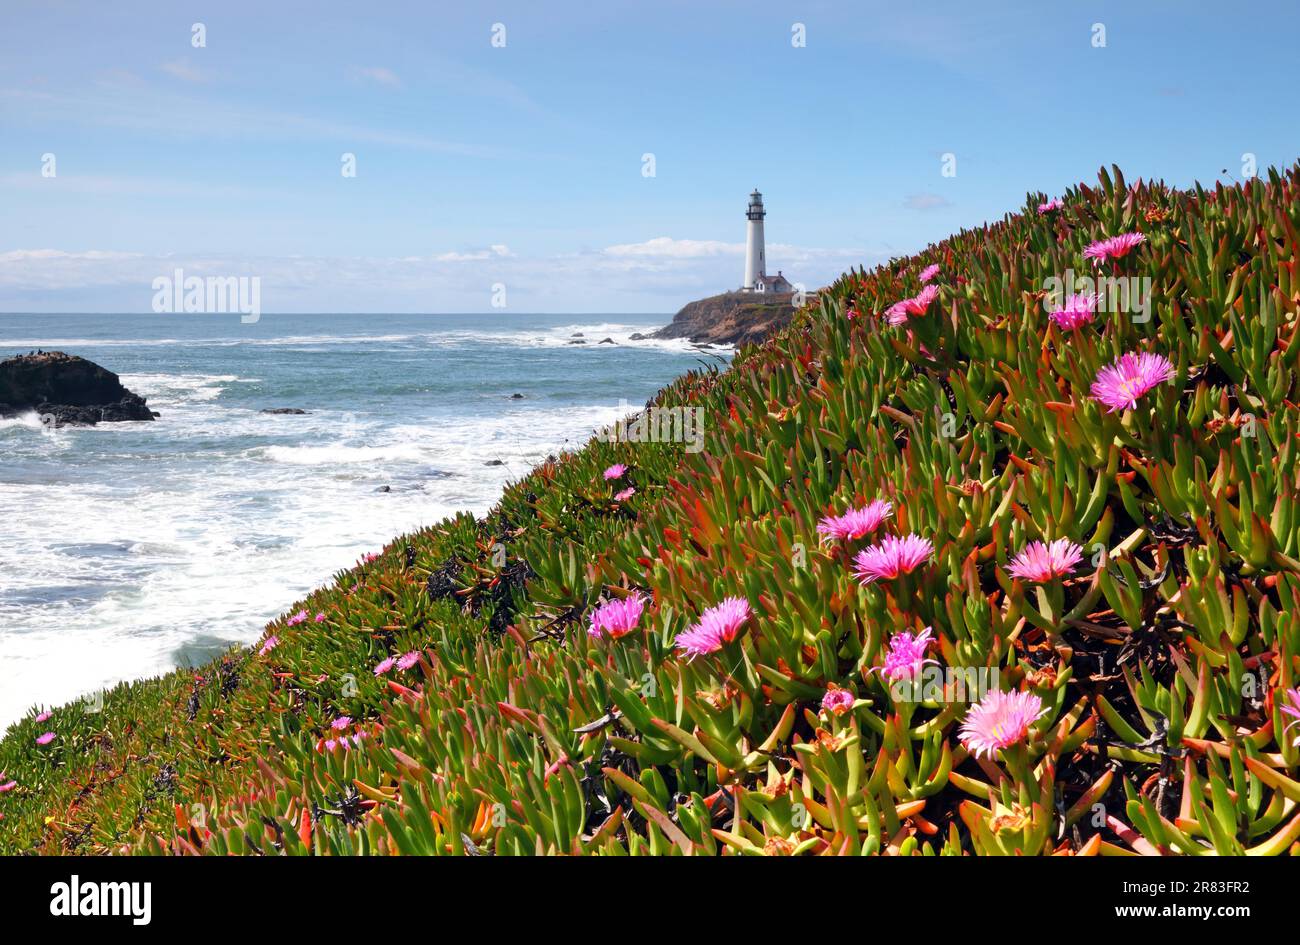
(756,278)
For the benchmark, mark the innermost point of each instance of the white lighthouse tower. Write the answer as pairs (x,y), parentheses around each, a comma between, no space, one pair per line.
(756,277)
(755,264)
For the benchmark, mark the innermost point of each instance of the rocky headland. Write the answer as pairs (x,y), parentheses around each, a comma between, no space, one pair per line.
(732,318)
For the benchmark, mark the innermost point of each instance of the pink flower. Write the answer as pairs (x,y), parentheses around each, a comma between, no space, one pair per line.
(906,655)
(616,471)
(625,494)
(928,273)
(999,720)
(45,739)
(331,744)
(1049,206)
(1120,385)
(1039,562)
(357,738)
(616,617)
(851,313)
(837,701)
(296,619)
(1116,247)
(320,618)
(271,643)
(407,660)
(384,665)
(1077,311)
(43,716)
(718,625)
(342,722)
(855,522)
(7,786)
(370,556)
(891,557)
(899,312)
(1290,706)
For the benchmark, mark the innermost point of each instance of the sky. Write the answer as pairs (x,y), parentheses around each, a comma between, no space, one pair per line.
(501,149)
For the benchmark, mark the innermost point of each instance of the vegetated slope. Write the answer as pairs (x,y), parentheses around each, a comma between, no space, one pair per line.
(1138,703)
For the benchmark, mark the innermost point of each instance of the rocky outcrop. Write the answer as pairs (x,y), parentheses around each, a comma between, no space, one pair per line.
(732,318)
(68,390)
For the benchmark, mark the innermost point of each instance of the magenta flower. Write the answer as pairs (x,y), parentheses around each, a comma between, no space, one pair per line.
(717,625)
(625,494)
(906,655)
(1049,206)
(385,665)
(855,523)
(1078,311)
(892,557)
(928,273)
(900,312)
(407,660)
(851,313)
(999,720)
(617,617)
(296,619)
(320,618)
(1290,706)
(1039,562)
(271,643)
(7,786)
(370,556)
(616,471)
(45,739)
(837,701)
(43,716)
(342,722)
(1116,247)
(331,744)
(1120,385)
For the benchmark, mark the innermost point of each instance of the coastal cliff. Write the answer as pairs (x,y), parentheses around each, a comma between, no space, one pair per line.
(731,318)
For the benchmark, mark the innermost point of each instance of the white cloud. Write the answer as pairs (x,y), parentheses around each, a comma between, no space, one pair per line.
(660,274)
(925,202)
(380,75)
(184,70)
(667,247)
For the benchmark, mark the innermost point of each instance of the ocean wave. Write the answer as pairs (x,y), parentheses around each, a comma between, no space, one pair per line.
(338,454)
(28,421)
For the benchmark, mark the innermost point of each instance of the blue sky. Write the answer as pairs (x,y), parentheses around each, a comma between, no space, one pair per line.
(522,164)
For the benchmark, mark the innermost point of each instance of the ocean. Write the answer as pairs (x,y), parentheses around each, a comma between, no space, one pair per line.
(129,549)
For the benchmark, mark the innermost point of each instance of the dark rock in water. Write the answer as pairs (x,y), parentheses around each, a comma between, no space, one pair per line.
(578,341)
(605,341)
(516,396)
(295,411)
(66,390)
(494,462)
(576,334)
(637,336)
(384,489)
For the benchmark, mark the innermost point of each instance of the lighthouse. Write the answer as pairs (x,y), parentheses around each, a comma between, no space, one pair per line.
(754,261)
(756,277)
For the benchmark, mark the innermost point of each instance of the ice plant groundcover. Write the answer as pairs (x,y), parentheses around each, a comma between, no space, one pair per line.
(966,566)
